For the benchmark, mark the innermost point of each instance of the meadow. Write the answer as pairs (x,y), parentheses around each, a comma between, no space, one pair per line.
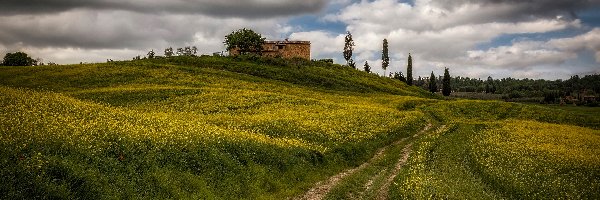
(253,128)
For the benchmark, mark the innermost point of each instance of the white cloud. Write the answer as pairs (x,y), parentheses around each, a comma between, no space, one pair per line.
(120,34)
(323,44)
(587,41)
(439,36)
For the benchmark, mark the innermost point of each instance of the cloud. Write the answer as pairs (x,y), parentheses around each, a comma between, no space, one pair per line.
(323,44)
(523,10)
(227,8)
(438,33)
(528,54)
(588,41)
(442,34)
(121,30)
(520,55)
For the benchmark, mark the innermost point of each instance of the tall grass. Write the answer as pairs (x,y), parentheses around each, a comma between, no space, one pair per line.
(148,129)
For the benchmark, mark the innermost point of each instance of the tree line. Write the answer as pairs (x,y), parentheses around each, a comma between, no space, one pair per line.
(22,59)
(446,87)
(576,89)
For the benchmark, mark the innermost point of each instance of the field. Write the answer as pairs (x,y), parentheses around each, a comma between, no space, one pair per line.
(235,128)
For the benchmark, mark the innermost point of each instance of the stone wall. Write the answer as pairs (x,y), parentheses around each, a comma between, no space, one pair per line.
(285,49)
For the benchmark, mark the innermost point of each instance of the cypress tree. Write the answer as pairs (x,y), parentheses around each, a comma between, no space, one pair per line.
(367,67)
(409,77)
(446,83)
(385,56)
(432,83)
(348,48)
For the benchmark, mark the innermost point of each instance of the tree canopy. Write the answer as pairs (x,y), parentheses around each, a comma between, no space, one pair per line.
(385,58)
(245,40)
(348,48)
(446,83)
(409,77)
(367,67)
(18,59)
(432,83)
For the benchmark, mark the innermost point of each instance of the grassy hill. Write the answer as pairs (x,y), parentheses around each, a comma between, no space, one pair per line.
(254,128)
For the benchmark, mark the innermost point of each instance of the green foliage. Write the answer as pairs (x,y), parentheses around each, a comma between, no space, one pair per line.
(151,54)
(534,91)
(246,40)
(169,52)
(439,167)
(446,83)
(191,127)
(352,64)
(493,150)
(249,127)
(348,48)
(367,67)
(478,110)
(18,59)
(399,76)
(432,83)
(385,58)
(409,75)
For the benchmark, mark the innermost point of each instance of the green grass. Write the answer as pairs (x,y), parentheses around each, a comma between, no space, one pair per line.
(494,150)
(440,168)
(191,127)
(585,110)
(257,128)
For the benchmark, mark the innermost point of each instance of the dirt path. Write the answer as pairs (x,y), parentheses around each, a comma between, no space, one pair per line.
(383,191)
(322,188)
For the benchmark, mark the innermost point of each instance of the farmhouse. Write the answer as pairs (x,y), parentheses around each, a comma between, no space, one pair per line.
(285,49)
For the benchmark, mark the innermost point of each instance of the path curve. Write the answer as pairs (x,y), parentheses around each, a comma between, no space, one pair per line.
(322,188)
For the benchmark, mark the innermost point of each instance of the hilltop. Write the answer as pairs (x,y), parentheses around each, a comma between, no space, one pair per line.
(266,128)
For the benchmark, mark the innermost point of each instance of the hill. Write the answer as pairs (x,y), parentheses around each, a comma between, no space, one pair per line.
(249,128)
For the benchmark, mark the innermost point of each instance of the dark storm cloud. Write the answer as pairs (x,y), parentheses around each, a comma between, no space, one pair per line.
(231,8)
(113,29)
(526,9)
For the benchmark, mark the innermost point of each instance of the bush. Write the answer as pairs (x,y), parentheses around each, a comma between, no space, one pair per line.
(18,59)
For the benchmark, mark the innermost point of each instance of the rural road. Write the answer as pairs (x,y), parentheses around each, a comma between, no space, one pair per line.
(321,189)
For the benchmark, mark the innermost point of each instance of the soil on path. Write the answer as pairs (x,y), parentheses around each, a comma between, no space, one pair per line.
(322,188)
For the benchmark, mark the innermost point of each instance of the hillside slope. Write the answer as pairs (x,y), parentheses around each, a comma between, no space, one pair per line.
(245,128)
(191,127)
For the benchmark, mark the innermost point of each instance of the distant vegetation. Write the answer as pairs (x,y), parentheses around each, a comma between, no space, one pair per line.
(182,126)
(251,127)
(186,127)
(18,59)
(497,150)
(246,40)
(575,90)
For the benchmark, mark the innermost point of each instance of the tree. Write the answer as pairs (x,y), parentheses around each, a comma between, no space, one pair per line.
(367,67)
(409,77)
(169,52)
(385,56)
(446,83)
(180,52)
(151,54)
(352,64)
(348,48)
(399,76)
(187,51)
(489,86)
(432,83)
(245,40)
(18,59)
(194,50)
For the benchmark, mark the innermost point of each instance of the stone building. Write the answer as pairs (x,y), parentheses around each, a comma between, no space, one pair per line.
(284,49)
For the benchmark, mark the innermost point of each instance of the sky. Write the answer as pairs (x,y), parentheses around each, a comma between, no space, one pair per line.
(539,39)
